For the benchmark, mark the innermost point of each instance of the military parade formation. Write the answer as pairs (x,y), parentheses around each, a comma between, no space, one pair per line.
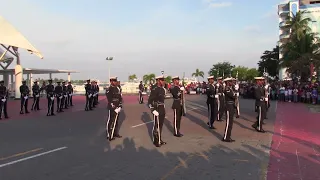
(222,101)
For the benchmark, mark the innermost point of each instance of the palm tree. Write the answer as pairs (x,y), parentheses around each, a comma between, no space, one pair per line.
(148,78)
(198,73)
(132,77)
(298,24)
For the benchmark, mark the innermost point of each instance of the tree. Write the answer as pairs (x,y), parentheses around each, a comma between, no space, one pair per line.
(132,77)
(298,24)
(242,73)
(221,69)
(149,78)
(269,62)
(251,73)
(198,73)
(168,79)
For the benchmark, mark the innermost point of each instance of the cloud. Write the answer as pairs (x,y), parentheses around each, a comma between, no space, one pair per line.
(215,4)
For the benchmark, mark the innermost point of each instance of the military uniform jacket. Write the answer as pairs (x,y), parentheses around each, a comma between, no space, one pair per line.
(88,89)
(211,92)
(176,94)
(114,97)
(3,92)
(50,90)
(157,97)
(36,89)
(219,89)
(24,90)
(58,90)
(141,88)
(64,89)
(229,95)
(259,95)
(69,89)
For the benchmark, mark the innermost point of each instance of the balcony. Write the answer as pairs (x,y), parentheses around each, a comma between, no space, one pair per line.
(284,36)
(282,24)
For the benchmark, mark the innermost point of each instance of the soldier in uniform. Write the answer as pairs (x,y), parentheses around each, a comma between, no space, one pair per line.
(237,101)
(24,91)
(50,97)
(97,88)
(212,97)
(230,97)
(177,105)
(70,93)
(141,90)
(260,102)
(88,89)
(220,101)
(59,95)
(267,90)
(114,106)
(36,96)
(157,107)
(3,102)
(64,104)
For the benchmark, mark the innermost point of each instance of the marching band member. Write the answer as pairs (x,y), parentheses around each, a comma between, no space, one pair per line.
(260,103)
(114,107)
(157,107)
(3,100)
(230,97)
(24,91)
(237,101)
(36,96)
(212,97)
(50,97)
(177,105)
(141,90)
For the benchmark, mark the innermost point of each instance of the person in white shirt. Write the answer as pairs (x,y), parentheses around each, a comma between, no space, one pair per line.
(290,94)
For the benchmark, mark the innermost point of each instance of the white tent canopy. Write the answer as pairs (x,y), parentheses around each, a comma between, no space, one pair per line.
(12,37)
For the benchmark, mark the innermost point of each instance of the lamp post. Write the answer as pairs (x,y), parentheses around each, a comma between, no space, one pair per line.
(109,59)
(162,72)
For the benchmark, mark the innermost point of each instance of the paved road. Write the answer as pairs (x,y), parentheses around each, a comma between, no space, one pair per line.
(72,146)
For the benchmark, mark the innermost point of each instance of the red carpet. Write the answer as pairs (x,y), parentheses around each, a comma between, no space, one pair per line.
(295,149)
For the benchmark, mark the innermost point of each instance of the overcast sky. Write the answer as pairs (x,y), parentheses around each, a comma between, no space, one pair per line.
(145,36)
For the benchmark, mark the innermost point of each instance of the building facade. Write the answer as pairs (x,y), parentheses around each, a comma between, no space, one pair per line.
(312,8)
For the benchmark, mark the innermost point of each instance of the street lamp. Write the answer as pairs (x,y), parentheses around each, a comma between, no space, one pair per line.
(109,59)
(162,72)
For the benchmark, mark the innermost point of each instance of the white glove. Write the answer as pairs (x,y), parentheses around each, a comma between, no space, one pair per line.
(266,86)
(37,95)
(155,113)
(238,94)
(94,95)
(70,94)
(216,96)
(117,110)
(218,85)
(65,95)
(224,84)
(26,97)
(60,97)
(90,95)
(266,99)
(52,98)
(182,88)
(3,100)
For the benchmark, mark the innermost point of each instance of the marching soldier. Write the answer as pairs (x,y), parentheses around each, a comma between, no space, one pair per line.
(177,105)
(94,93)
(220,101)
(88,89)
(212,97)
(157,107)
(59,95)
(260,103)
(3,102)
(97,88)
(237,101)
(141,90)
(64,103)
(36,96)
(230,97)
(70,93)
(50,97)
(114,106)
(24,91)
(267,97)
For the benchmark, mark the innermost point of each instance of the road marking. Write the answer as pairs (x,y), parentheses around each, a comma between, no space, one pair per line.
(31,157)
(21,154)
(299,164)
(183,163)
(276,107)
(152,120)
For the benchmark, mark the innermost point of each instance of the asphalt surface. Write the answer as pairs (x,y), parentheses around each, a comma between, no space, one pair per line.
(72,145)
